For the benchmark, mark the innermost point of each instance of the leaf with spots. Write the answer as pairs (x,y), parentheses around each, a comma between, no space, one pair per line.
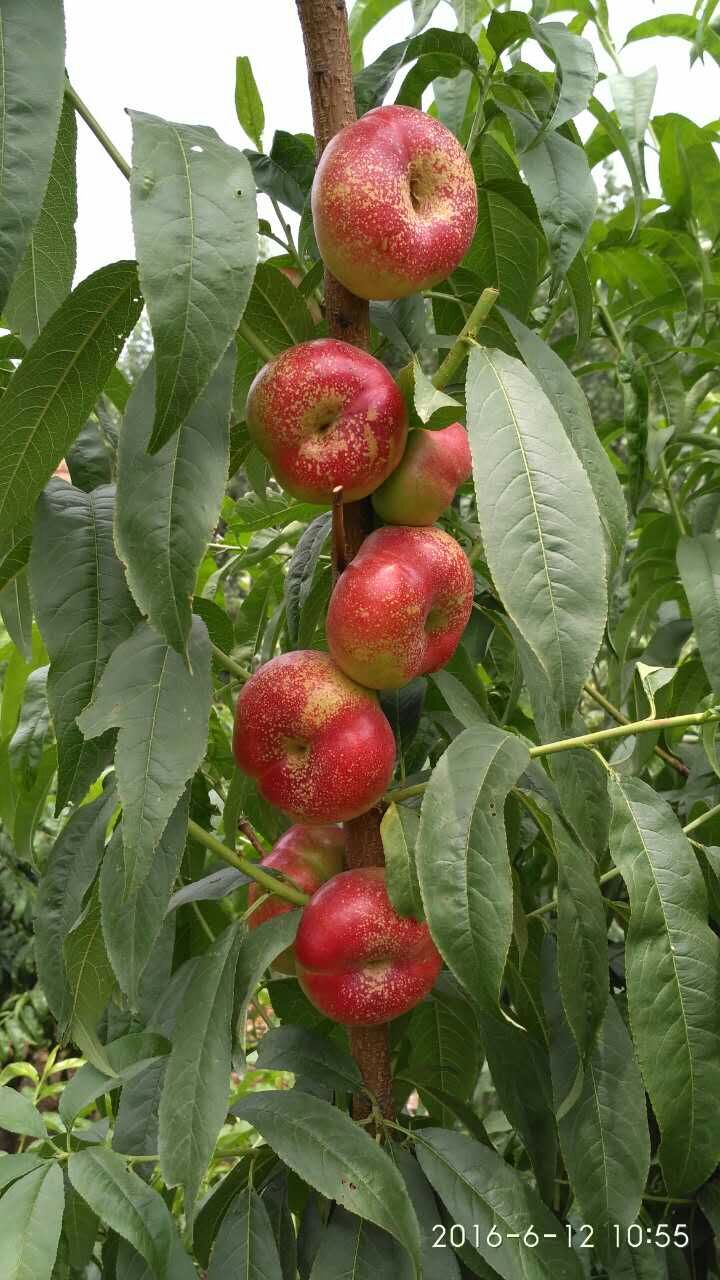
(325,1147)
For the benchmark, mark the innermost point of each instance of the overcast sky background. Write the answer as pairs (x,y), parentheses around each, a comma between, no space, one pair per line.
(176,59)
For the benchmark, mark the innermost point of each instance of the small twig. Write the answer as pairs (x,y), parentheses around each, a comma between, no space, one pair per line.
(339,544)
(229,663)
(270,883)
(458,352)
(251,836)
(621,718)
(704,817)
(252,339)
(96,128)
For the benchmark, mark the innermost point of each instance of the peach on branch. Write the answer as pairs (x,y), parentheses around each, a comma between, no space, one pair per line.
(423,484)
(400,607)
(326,414)
(357,960)
(318,745)
(308,856)
(394,203)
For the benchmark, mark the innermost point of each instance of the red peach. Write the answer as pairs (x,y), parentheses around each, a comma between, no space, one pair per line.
(400,607)
(394,203)
(317,744)
(325,414)
(306,855)
(424,482)
(357,960)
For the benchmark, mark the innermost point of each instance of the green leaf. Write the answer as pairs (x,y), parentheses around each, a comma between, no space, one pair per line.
(689,170)
(699,564)
(255,1166)
(437,1264)
(31,806)
(30,1221)
(398,830)
(69,872)
(433,407)
(80,1228)
(276,311)
(90,459)
(351,1249)
(32,81)
(341,1161)
(169,502)
(136,1125)
(195,1092)
(195,222)
(559,177)
(444,1052)
(274,511)
(582,939)
(616,139)
(90,979)
(84,610)
(163,733)
(374,82)
(459,699)
(26,745)
(682,25)
(16,613)
(258,949)
(13,1167)
(633,98)
(245,1245)
(532,495)
(568,400)
(45,275)
(505,29)
(604,1137)
(16,551)
(462,859)
(131,926)
(302,572)
(481,1191)
(505,250)
(665,380)
(248,103)
(286,174)
(672,961)
(53,392)
(18,1115)
(520,1072)
(364,15)
(576,67)
(125,1204)
(308,1053)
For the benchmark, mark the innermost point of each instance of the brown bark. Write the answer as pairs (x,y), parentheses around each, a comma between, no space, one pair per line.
(327,54)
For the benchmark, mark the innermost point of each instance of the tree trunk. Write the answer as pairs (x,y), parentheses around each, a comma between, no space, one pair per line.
(327,53)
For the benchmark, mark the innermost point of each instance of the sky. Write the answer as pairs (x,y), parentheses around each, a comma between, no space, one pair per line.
(176,59)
